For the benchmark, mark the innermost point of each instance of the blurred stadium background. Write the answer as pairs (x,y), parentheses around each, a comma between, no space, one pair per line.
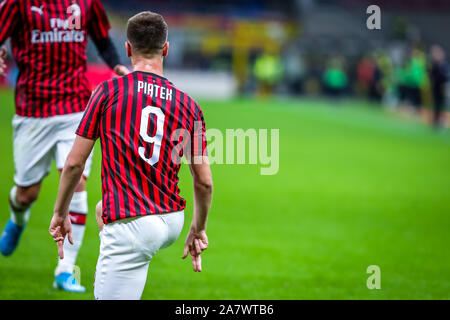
(364,179)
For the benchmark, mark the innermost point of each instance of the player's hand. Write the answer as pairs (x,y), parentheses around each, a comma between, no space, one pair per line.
(121,70)
(196,243)
(2,61)
(59,228)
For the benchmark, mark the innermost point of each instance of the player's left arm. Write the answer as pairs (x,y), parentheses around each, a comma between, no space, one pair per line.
(108,52)
(197,240)
(60,225)
(98,28)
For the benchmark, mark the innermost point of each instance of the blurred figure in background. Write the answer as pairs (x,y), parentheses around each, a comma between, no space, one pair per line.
(268,70)
(294,67)
(366,70)
(335,80)
(375,87)
(439,76)
(386,81)
(412,77)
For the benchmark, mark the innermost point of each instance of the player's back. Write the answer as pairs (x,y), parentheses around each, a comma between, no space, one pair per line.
(141,117)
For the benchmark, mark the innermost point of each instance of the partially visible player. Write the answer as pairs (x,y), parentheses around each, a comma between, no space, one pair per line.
(439,76)
(137,118)
(49,40)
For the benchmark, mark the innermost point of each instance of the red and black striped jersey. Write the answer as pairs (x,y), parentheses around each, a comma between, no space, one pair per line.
(145,124)
(49,40)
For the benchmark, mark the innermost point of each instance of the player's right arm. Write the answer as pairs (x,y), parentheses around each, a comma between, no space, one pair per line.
(9,16)
(88,131)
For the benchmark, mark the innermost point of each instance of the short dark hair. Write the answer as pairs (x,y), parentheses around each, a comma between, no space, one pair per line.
(147,33)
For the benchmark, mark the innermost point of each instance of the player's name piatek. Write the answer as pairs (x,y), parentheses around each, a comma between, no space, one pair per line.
(154,90)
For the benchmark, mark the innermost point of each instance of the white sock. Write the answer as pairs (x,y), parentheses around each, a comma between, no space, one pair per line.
(19,212)
(77,210)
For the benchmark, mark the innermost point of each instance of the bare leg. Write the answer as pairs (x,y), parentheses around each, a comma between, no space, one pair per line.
(20,200)
(25,196)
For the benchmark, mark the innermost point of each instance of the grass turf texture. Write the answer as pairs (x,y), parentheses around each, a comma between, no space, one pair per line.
(356,187)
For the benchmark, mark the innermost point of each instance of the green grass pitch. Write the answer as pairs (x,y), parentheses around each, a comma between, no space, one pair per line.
(356,187)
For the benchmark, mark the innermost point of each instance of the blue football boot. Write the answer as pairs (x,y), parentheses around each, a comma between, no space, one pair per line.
(10,238)
(66,281)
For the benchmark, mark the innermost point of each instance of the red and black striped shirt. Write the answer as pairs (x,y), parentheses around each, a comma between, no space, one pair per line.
(144,123)
(49,40)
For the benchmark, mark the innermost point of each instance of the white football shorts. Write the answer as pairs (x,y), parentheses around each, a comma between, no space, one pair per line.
(37,141)
(126,248)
